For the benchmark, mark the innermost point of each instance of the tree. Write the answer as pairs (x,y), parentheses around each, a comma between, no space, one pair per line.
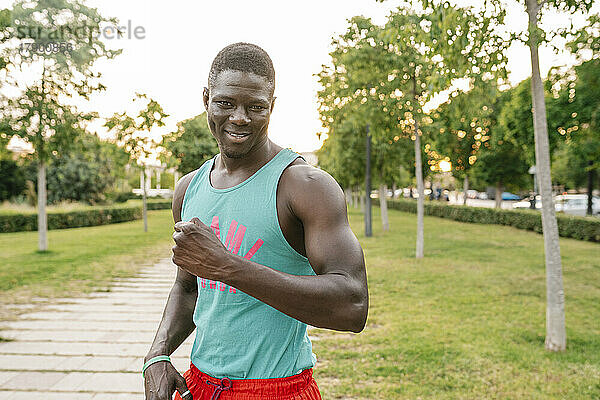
(580,101)
(44,38)
(191,144)
(556,337)
(415,55)
(463,127)
(344,151)
(4,139)
(501,164)
(86,172)
(342,155)
(133,134)
(516,119)
(12,179)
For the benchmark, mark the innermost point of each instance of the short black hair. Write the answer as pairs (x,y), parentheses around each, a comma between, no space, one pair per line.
(245,57)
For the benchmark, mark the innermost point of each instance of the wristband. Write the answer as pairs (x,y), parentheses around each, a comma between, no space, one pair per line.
(152,361)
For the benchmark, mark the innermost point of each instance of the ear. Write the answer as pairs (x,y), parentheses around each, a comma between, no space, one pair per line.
(273,103)
(205,97)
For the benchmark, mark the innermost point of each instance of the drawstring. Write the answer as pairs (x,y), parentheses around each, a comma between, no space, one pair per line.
(220,387)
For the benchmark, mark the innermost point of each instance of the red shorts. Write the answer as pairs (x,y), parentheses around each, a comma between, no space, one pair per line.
(297,387)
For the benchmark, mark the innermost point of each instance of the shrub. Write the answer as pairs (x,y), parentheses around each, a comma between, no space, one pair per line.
(122,197)
(12,180)
(582,228)
(93,216)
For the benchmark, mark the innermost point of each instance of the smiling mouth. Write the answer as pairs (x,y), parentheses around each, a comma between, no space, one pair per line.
(237,135)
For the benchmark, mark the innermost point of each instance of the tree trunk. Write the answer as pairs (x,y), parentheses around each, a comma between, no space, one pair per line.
(421,191)
(368,186)
(42,215)
(590,189)
(465,189)
(355,198)
(144,196)
(175,179)
(348,196)
(556,337)
(362,203)
(383,207)
(498,197)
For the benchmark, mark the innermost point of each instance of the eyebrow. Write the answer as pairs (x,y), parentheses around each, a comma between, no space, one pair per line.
(257,100)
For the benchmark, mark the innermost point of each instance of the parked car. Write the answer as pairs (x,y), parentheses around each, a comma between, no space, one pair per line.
(573,204)
(506,196)
(482,196)
(525,203)
(427,192)
(576,204)
(471,194)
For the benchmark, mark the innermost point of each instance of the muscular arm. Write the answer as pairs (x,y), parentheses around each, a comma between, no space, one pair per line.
(177,320)
(335,298)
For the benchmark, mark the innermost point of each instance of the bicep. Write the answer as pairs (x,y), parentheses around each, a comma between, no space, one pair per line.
(184,278)
(179,194)
(331,246)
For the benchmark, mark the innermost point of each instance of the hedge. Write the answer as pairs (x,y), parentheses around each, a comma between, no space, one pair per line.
(581,228)
(93,216)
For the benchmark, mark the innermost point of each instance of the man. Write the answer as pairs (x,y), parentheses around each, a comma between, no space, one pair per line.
(263,247)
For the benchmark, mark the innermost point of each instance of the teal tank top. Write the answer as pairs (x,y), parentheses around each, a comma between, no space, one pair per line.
(238,336)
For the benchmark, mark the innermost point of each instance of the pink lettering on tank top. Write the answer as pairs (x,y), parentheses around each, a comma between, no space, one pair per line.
(215,226)
(233,243)
(229,238)
(254,249)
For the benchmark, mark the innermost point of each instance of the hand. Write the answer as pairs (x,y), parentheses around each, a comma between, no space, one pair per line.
(161,380)
(198,250)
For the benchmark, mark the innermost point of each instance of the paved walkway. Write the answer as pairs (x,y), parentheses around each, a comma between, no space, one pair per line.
(91,347)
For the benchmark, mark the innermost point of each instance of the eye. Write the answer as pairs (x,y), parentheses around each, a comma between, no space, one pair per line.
(258,108)
(224,103)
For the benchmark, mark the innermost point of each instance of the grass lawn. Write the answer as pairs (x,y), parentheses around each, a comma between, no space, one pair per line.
(467,321)
(81,259)
(7,208)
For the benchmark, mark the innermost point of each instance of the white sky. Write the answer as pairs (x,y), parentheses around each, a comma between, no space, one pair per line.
(182,37)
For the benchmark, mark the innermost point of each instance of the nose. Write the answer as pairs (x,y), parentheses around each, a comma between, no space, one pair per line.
(239,116)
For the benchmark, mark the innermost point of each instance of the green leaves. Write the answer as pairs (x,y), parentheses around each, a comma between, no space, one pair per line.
(463,126)
(31,32)
(133,134)
(383,75)
(190,145)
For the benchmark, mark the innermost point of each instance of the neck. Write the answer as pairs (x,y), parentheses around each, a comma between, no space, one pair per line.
(256,158)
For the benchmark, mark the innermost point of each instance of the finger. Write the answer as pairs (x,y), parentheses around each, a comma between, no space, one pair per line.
(192,226)
(179,224)
(185,227)
(179,238)
(196,221)
(182,388)
(177,235)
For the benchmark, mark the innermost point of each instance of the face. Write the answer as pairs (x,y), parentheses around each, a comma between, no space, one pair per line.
(239,106)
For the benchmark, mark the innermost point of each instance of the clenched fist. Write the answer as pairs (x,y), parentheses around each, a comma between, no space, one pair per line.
(199,251)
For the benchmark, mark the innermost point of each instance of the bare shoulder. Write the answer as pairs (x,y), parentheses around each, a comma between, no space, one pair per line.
(312,191)
(179,193)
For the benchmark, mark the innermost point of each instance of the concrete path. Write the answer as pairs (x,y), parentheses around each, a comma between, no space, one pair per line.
(91,347)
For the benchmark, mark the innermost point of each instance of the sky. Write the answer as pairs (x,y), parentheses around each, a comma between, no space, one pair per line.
(181,38)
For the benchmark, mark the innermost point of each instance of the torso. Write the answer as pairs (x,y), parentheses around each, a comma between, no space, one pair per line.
(291,226)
